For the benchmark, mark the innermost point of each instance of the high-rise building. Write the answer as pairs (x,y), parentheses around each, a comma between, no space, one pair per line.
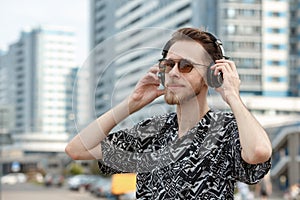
(295,47)
(102,51)
(262,38)
(239,25)
(125,47)
(41,64)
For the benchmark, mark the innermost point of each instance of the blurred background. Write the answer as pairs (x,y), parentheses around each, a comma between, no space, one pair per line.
(63,63)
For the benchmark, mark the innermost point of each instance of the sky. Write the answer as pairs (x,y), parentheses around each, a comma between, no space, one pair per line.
(16,15)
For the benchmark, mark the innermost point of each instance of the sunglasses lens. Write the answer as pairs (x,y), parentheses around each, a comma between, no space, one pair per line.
(185,66)
(166,65)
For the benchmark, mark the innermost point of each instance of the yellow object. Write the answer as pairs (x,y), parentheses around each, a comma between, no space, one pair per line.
(123,183)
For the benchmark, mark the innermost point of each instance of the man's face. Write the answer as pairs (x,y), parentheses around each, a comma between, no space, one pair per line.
(181,87)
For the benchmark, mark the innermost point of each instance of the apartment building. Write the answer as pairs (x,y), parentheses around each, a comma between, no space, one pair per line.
(262,38)
(40,65)
(128,37)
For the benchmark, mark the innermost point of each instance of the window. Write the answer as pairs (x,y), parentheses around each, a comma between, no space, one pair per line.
(231,29)
(231,13)
(276,46)
(276,30)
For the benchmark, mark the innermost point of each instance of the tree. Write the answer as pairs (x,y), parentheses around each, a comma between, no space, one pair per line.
(75,169)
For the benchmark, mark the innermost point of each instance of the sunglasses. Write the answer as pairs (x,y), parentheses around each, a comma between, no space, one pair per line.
(184,65)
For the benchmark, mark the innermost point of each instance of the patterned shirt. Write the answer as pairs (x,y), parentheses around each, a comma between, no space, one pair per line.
(205,163)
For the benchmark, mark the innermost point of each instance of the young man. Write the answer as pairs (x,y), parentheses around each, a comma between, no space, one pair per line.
(195,153)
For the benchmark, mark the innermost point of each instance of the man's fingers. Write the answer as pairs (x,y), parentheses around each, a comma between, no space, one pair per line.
(224,66)
(154,69)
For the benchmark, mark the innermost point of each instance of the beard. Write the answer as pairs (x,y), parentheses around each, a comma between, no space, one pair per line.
(184,95)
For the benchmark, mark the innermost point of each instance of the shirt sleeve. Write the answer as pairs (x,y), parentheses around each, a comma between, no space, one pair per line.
(137,149)
(118,153)
(243,171)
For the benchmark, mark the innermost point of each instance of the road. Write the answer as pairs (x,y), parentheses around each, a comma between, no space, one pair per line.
(24,191)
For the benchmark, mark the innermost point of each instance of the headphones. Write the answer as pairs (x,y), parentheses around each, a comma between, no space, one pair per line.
(213,81)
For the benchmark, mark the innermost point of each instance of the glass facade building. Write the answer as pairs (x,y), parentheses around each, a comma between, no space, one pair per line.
(41,64)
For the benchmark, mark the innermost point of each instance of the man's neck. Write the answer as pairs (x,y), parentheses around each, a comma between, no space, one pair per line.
(189,114)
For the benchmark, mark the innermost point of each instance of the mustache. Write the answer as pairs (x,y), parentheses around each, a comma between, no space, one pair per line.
(175,82)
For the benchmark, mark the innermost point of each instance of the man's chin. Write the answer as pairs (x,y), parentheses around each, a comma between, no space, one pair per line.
(169,102)
(171,99)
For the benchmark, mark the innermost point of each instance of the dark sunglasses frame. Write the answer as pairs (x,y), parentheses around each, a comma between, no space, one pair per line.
(184,65)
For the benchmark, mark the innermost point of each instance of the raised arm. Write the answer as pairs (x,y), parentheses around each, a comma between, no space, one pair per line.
(256,146)
(86,144)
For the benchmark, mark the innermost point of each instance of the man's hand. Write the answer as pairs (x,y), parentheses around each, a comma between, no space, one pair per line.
(146,90)
(231,84)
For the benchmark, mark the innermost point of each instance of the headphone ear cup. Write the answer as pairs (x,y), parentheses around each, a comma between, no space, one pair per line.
(213,80)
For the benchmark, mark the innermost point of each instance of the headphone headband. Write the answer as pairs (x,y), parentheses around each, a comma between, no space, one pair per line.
(219,44)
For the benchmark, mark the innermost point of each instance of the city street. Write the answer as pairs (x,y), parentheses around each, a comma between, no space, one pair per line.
(30,191)
(37,192)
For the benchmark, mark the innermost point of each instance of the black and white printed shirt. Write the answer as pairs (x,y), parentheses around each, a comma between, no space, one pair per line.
(203,164)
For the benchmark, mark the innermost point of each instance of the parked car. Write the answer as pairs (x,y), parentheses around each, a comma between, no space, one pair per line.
(34,176)
(128,196)
(81,182)
(54,180)
(293,192)
(13,178)
(117,187)
(38,177)
(58,180)
(102,188)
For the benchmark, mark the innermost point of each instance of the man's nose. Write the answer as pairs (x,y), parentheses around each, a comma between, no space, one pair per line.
(174,71)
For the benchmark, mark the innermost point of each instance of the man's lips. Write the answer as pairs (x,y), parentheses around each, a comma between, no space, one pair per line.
(174,86)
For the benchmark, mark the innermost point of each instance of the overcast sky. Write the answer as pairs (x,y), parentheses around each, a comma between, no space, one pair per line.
(15,15)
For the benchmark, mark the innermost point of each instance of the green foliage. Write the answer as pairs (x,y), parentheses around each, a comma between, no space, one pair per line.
(94,167)
(76,169)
